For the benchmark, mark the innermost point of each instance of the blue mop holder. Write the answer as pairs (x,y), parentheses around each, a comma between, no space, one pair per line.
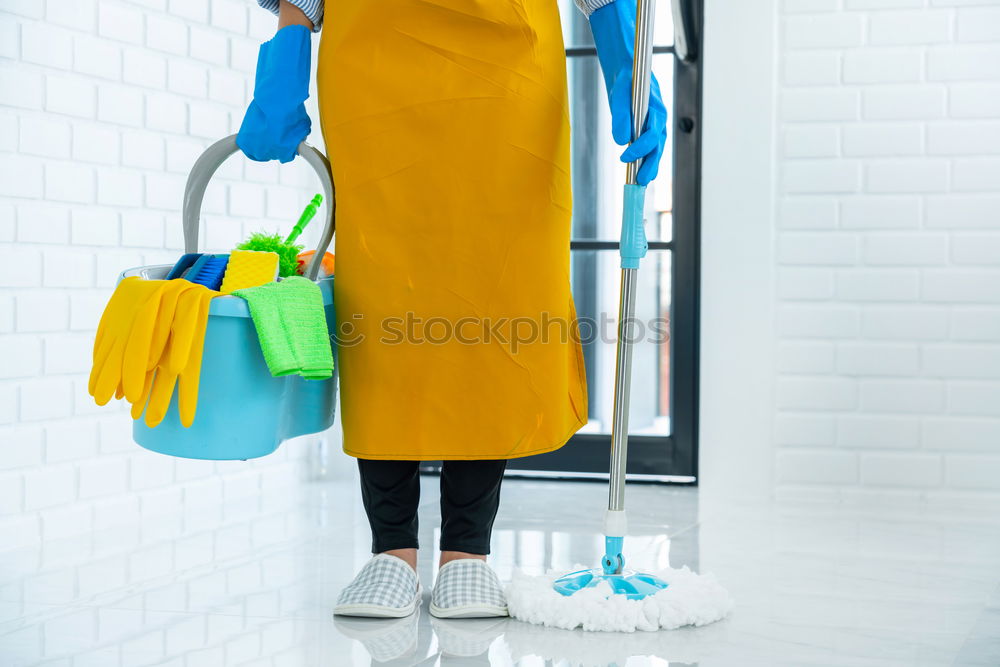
(613,560)
(243,412)
(633,245)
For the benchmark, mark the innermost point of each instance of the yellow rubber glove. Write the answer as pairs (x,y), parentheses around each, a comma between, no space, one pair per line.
(175,356)
(115,322)
(190,377)
(113,333)
(115,304)
(160,391)
(158,345)
(149,339)
(140,405)
(168,308)
(149,331)
(181,356)
(177,346)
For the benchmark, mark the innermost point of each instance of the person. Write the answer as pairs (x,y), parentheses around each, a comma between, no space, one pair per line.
(447,127)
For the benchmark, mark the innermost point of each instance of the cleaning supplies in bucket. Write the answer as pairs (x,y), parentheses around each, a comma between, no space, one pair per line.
(152,332)
(291,327)
(150,339)
(243,411)
(170,346)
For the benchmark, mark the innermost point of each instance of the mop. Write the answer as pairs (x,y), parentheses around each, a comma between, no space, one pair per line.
(612,598)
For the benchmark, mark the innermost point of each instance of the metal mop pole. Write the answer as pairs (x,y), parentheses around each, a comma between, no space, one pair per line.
(633,248)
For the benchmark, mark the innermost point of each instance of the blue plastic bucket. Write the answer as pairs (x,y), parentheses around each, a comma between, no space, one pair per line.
(243,412)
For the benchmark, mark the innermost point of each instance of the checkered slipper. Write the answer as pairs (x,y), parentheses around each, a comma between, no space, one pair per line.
(386,587)
(467,588)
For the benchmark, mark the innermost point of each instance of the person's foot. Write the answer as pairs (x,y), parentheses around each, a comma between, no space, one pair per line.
(386,587)
(467,588)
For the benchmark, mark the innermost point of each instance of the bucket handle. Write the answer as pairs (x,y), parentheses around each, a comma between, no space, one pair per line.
(213,157)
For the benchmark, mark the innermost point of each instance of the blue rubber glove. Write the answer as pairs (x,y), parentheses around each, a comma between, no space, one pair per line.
(613,26)
(276,121)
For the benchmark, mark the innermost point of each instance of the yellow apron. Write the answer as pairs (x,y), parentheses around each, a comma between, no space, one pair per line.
(447,126)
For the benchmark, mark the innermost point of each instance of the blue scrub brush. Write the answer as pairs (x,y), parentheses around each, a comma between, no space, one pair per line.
(209,271)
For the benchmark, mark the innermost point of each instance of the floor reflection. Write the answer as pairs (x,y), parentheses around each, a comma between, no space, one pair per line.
(252,583)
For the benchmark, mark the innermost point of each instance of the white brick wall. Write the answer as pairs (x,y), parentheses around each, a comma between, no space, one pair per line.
(888,249)
(104,105)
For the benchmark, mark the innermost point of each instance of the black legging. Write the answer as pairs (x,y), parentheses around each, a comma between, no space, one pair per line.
(470,496)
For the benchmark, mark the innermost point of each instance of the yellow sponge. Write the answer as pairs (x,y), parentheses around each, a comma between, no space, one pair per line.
(249,268)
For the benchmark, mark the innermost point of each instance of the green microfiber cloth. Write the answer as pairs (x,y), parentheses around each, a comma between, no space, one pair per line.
(291,327)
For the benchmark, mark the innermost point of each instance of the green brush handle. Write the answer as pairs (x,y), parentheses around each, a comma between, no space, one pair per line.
(304,219)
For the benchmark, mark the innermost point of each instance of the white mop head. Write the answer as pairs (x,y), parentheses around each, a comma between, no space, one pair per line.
(690,599)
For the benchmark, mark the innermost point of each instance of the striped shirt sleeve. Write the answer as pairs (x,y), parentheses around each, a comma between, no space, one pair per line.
(588,7)
(313,9)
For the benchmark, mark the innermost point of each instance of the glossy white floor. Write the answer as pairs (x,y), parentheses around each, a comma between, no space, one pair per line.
(253,584)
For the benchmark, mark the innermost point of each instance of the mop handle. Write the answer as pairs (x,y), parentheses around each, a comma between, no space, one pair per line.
(642,66)
(633,239)
(632,249)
